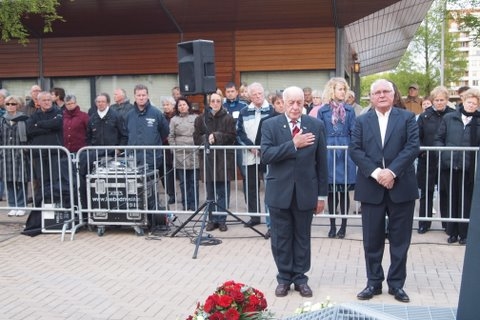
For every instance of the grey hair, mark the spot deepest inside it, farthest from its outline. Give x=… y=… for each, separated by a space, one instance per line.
x=70 y=97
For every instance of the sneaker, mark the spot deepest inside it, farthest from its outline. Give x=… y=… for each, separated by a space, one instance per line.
x=20 y=213
x=12 y=213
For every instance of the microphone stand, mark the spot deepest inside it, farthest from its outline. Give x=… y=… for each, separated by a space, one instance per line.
x=210 y=202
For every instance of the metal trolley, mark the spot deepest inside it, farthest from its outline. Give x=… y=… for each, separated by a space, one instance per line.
x=119 y=194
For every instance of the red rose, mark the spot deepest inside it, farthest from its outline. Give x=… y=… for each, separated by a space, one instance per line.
x=232 y=314
x=209 y=304
x=217 y=316
x=254 y=300
x=237 y=296
x=224 y=301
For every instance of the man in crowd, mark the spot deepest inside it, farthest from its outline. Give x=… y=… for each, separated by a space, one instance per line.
x=295 y=150
x=105 y=128
x=33 y=104
x=413 y=102
x=384 y=145
x=233 y=104
x=176 y=93
x=308 y=104
x=147 y=126
x=122 y=105
x=247 y=127
x=58 y=96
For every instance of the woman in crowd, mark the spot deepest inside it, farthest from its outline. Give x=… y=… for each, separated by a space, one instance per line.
x=168 y=181
x=13 y=162
x=427 y=168
x=185 y=160
x=460 y=129
x=339 y=120
x=217 y=128
x=75 y=123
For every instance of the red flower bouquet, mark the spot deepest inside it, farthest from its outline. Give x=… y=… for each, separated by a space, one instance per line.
x=233 y=301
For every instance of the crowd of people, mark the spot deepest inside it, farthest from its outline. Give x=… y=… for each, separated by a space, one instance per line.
x=285 y=135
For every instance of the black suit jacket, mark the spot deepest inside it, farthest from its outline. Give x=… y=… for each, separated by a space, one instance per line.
x=303 y=171
x=399 y=151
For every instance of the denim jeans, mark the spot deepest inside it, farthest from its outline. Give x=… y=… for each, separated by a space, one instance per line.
x=16 y=193
x=189 y=188
x=218 y=191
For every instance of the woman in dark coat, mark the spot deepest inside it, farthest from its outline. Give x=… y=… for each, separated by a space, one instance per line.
x=459 y=129
x=217 y=128
x=14 y=163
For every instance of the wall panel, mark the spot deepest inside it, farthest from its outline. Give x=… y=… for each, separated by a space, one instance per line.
x=17 y=60
x=235 y=52
x=287 y=49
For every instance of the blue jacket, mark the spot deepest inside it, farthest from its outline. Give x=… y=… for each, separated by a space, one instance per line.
x=148 y=127
x=339 y=135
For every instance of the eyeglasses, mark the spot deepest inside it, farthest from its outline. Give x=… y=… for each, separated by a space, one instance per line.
x=11 y=104
x=381 y=92
x=217 y=101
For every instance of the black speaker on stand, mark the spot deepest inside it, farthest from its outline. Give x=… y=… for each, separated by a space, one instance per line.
x=196 y=67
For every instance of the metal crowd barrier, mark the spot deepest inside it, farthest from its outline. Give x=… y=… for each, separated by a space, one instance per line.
x=140 y=185
x=39 y=180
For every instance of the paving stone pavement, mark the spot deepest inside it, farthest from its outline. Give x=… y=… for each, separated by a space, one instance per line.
x=124 y=276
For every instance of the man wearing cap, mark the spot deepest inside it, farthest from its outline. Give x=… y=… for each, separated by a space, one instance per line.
x=413 y=102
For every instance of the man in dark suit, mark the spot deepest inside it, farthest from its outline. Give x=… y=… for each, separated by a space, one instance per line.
x=294 y=148
x=384 y=146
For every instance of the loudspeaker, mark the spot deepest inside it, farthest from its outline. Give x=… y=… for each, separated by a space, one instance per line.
x=196 y=67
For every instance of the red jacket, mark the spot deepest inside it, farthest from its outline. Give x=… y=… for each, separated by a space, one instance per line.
x=75 y=124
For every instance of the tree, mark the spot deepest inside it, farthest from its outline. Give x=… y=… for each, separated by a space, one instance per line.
x=421 y=63
x=14 y=12
x=467 y=16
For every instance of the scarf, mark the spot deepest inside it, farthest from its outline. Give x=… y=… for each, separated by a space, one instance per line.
x=19 y=118
x=338 y=111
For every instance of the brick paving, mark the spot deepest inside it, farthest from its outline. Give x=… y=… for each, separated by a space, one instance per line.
x=124 y=276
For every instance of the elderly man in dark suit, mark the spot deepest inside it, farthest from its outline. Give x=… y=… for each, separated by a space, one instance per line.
x=294 y=148
x=384 y=146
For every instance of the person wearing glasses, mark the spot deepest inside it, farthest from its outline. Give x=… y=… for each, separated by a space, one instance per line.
x=216 y=127
x=384 y=145
x=294 y=149
x=248 y=124
x=14 y=163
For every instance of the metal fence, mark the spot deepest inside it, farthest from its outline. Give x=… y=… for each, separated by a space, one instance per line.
x=144 y=185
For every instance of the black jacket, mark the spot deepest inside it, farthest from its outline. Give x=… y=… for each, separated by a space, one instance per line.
x=108 y=131
x=45 y=128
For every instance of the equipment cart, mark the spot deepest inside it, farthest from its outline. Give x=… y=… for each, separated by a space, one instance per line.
x=119 y=194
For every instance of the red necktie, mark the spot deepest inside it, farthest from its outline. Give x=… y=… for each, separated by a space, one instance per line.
x=295 y=128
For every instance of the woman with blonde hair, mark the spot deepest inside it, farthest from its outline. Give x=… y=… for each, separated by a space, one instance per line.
x=13 y=162
x=339 y=119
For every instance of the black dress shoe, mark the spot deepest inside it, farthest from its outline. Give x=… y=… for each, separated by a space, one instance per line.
x=369 y=292
x=399 y=294
x=251 y=223
x=452 y=239
x=462 y=241
x=282 y=290
x=341 y=233
x=211 y=226
x=304 y=290
x=422 y=230
x=332 y=233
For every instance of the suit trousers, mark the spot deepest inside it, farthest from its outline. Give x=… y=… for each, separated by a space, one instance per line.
x=290 y=241
x=400 y=223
